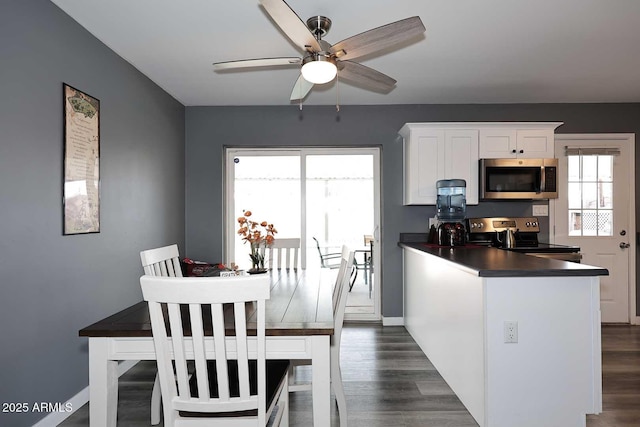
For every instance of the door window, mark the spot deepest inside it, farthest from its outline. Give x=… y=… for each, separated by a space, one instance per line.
x=590 y=194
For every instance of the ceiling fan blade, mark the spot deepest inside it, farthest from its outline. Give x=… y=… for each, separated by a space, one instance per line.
x=378 y=38
x=300 y=89
x=365 y=76
x=262 y=62
x=291 y=24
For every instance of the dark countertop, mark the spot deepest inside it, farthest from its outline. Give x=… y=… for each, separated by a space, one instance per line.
x=493 y=262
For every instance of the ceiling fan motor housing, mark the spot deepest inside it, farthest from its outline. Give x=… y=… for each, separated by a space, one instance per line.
x=319 y=26
x=319 y=56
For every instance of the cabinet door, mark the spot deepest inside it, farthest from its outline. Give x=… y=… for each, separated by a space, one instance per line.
x=461 y=160
x=535 y=144
x=512 y=143
x=497 y=143
x=424 y=165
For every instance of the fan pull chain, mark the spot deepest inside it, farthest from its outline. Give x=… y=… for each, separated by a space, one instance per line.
x=300 y=96
x=337 y=92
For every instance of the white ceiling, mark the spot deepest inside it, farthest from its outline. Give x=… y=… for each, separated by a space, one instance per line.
x=474 y=51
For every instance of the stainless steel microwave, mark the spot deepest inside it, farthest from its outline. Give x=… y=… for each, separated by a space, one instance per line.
x=518 y=179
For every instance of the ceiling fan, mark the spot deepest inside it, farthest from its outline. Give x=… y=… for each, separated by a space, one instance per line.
x=322 y=61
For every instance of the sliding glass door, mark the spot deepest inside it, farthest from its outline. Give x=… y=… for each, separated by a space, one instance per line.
x=330 y=196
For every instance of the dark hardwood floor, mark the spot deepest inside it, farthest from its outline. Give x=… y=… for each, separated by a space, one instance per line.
x=389 y=382
x=620 y=378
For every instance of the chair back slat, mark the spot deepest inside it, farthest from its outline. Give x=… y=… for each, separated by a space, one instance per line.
x=164 y=261
x=242 y=349
x=160 y=339
x=287 y=248
x=199 y=356
x=189 y=342
x=344 y=258
x=177 y=343
x=340 y=290
x=220 y=347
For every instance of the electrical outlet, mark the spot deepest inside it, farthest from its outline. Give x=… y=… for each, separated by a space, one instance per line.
x=540 y=210
x=510 y=331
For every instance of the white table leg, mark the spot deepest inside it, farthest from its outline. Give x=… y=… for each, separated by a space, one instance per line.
x=103 y=385
x=321 y=381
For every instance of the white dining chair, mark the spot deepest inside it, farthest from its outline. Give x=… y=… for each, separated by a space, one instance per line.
x=233 y=383
x=339 y=300
x=163 y=261
x=283 y=253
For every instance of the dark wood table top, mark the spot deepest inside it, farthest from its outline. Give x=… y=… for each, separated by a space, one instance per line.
x=300 y=304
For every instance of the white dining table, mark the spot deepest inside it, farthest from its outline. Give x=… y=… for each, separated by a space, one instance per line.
x=299 y=324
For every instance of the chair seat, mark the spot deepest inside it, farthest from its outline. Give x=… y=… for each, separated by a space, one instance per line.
x=276 y=371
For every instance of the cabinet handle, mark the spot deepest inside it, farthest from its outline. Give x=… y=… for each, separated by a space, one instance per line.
x=521 y=151
x=513 y=151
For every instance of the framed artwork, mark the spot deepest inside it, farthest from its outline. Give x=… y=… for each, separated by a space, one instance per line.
x=81 y=162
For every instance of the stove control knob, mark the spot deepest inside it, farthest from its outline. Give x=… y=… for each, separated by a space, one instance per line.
x=528 y=224
x=535 y=224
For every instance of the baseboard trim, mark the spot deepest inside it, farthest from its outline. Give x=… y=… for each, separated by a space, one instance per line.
x=392 y=321
x=79 y=400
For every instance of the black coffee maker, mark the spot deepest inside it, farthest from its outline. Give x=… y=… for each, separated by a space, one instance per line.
x=451 y=208
x=451 y=234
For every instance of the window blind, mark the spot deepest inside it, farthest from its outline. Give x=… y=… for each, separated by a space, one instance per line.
x=591 y=151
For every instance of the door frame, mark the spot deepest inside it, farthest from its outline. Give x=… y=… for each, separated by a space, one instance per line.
x=376 y=151
x=628 y=138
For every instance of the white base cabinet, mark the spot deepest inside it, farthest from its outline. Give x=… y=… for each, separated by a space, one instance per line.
x=552 y=376
x=435 y=151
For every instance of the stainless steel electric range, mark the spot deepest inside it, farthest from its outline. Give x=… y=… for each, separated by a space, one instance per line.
x=493 y=231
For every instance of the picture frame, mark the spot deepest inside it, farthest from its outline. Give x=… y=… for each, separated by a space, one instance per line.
x=81 y=186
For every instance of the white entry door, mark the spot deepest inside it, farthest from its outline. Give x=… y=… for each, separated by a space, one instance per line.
x=595 y=211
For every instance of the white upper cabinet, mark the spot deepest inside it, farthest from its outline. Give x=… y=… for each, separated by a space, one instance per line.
x=517 y=140
x=434 y=151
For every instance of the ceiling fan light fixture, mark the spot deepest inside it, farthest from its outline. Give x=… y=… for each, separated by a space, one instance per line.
x=319 y=69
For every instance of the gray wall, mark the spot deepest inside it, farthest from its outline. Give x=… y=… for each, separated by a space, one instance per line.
x=209 y=129
x=53 y=285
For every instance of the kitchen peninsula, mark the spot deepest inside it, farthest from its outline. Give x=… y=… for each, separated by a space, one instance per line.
x=516 y=337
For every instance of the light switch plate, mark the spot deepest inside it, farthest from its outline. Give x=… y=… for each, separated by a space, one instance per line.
x=540 y=210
